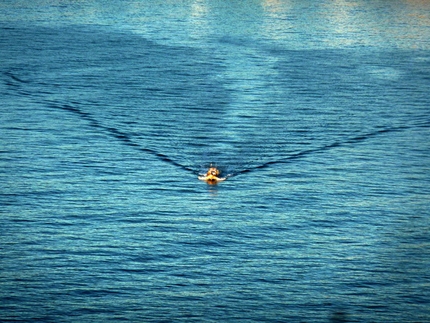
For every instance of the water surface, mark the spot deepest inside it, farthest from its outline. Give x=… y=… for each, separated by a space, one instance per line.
x=319 y=113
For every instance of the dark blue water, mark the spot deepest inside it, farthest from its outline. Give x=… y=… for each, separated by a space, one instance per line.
x=318 y=113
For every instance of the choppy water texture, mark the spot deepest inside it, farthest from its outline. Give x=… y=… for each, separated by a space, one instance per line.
x=318 y=112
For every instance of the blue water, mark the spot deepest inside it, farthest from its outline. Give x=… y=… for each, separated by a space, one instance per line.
x=319 y=113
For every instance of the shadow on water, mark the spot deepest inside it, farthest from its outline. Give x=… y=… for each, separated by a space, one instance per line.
x=226 y=170
x=339 y=317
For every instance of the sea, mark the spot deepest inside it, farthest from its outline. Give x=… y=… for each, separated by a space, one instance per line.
x=316 y=112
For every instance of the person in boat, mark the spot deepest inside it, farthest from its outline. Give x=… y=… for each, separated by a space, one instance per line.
x=211 y=176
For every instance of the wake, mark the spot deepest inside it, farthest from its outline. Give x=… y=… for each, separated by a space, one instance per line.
x=228 y=171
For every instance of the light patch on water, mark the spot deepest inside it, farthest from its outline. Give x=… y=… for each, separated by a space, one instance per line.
x=384 y=73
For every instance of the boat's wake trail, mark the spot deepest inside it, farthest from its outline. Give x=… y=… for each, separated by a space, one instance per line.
x=228 y=169
x=125 y=138
x=336 y=144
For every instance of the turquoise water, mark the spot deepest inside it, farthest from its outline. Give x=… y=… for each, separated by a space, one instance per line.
x=319 y=114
